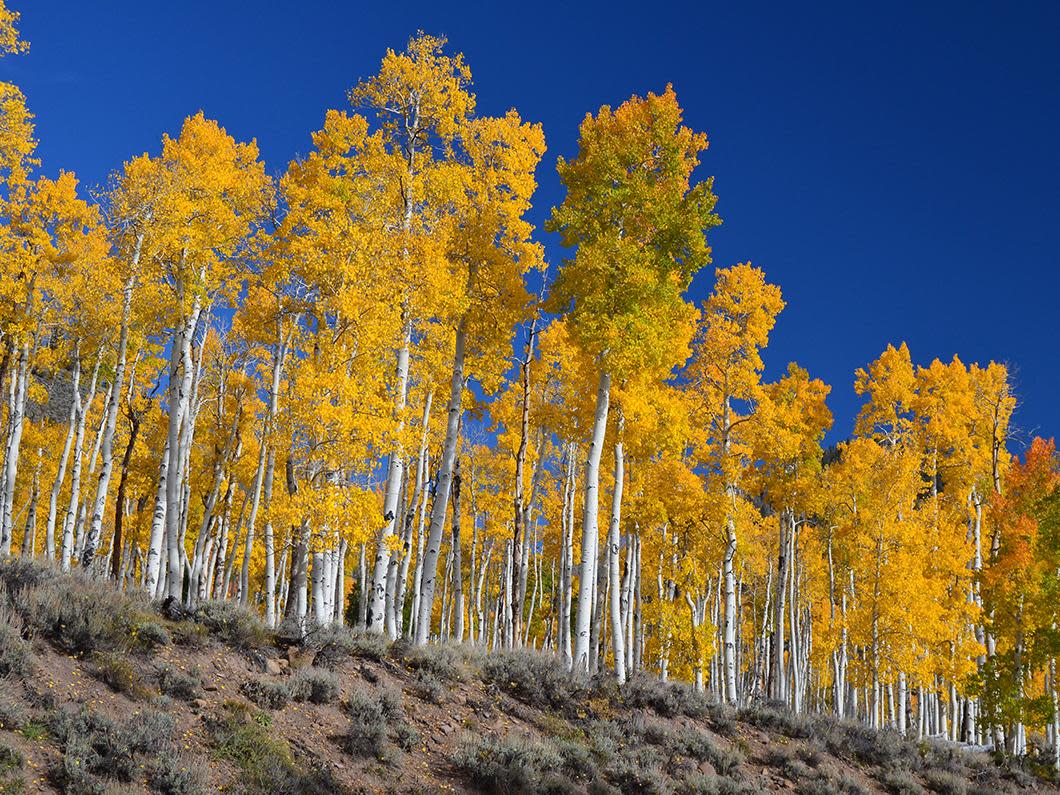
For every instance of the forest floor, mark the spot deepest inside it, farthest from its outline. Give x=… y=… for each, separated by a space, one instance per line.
x=100 y=693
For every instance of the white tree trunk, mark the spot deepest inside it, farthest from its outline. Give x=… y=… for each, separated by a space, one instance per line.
x=179 y=397
x=153 y=580
x=60 y=475
x=17 y=415
x=441 y=493
x=614 y=540
x=75 y=475
x=376 y=617
x=590 y=536
x=95 y=529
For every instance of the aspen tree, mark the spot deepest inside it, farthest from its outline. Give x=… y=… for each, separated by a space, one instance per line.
x=725 y=375
x=639 y=229
x=421 y=98
x=491 y=249
x=208 y=190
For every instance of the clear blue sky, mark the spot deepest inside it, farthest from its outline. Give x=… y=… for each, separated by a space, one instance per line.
x=895 y=170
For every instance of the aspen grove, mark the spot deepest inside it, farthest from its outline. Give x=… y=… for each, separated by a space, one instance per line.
x=334 y=397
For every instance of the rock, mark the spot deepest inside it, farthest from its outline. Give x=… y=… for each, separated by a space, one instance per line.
x=199 y=704
x=272 y=666
x=209 y=687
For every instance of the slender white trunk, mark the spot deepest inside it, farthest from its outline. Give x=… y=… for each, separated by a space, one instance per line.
x=153 y=579
x=376 y=617
x=590 y=535
x=107 y=468
x=441 y=493
x=180 y=382
x=60 y=475
x=780 y=689
x=614 y=538
x=75 y=475
x=458 y=578
x=17 y=414
x=263 y=480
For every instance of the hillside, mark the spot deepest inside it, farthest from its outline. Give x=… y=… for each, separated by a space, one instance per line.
x=101 y=693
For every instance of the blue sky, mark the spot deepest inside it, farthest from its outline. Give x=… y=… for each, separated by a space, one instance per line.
x=893 y=168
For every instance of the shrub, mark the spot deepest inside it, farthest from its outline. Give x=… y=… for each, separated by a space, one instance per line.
x=265 y=762
x=945 y=783
x=406 y=736
x=149 y=732
x=335 y=644
x=19 y=574
x=16 y=656
x=578 y=762
x=266 y=693
x=179 y=684
x=820 y=783
x=12 y=713
x=722 y=718
x=11 y=762
x=371 y=715
x=368 y=645
x=707 y=784
x=725 y=760
x=429 y=688
x=119 y=674
x=150 y=635
x=536 y=679
x=900 y=782
x=860 y=743
x=189 y=634
x=439 y=661
x=778 y=719
x=681 y=741
x=235 y=624
x=510 y=765
x=315 y=685
x=668 y=699
x=943 y=756
x=94 y=748
x=173 y=775
x=79 y=614
x=636 y=770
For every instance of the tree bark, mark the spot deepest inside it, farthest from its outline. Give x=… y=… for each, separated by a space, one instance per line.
x=590 y=536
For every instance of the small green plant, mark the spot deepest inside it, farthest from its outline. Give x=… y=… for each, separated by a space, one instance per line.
x=33 y=730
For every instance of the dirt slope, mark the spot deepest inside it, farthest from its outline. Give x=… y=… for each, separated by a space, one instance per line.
x=100 y=693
